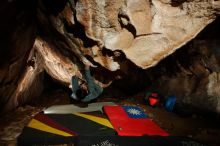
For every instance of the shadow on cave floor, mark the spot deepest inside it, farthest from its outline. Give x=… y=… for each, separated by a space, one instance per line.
x=200 y=128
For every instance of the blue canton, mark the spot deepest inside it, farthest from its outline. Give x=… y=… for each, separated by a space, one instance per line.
x=134 y=112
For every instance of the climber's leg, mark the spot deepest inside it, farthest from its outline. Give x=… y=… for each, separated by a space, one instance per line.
x=93 y=94
x=94 y=89
x=75 y=87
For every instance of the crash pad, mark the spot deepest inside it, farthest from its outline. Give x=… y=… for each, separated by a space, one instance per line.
x=94 y=128
x=58 y=128
x=132 y=121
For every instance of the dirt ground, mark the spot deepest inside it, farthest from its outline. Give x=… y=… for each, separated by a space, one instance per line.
x=205 y=129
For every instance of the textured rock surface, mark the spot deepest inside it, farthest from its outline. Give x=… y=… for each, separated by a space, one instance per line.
x=17 y=33
x=146 y=32
x=115 y=37
x=192 y=74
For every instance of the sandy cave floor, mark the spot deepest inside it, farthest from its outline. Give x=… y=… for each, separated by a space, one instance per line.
x=206 y=130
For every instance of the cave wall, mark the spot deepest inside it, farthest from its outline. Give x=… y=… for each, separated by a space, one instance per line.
x=17 y=35
x=117 y=39
x=192 y=73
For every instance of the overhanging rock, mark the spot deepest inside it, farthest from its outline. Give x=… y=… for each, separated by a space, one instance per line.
x=146 y=32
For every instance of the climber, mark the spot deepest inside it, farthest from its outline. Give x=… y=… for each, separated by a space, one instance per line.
x=93 y=89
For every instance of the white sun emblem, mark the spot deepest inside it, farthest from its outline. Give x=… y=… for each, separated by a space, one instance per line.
x=134 y=111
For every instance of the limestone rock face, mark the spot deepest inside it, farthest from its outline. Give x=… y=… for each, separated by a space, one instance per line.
x=111 y=36
x=17 y=34
x=146 y=32
x=192 y=75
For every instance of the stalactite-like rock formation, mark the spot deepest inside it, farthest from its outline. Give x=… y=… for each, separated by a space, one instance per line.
x=60 y=37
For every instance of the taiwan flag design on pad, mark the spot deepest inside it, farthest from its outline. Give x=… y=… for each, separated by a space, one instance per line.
x=132 y=121
x=134 y=112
